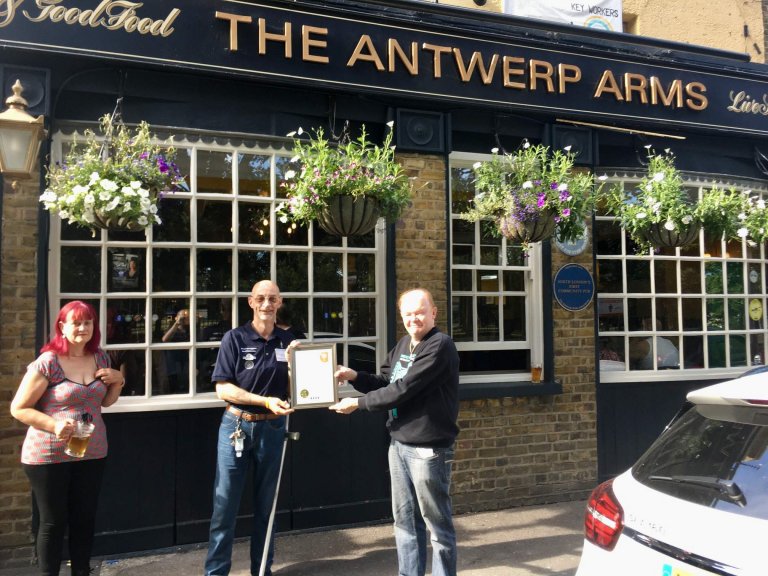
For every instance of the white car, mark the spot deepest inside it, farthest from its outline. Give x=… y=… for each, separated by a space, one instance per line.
x=696 y=503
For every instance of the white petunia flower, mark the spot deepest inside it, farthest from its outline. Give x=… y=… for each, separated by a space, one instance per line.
x=527 y=184
x=658 y=177
x=143 y=220
x=669 y=225
x=742 y=232
x=641 y=215
x=290 y=174
x=108 y=185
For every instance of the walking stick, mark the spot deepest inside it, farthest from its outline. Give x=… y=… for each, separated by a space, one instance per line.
x=288 y=436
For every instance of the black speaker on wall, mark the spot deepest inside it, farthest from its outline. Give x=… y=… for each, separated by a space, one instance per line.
x=420 y=131
x=36 y=85
x=581 y=140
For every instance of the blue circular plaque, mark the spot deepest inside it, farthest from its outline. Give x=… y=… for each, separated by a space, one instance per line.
x=573 y=287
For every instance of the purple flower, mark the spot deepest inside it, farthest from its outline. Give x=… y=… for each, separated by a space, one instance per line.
x=542 y=200
x=566 y=212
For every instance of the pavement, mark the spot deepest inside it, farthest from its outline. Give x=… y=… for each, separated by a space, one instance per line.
x=526 y=541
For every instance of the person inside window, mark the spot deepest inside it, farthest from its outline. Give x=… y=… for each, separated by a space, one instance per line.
x=642 y=350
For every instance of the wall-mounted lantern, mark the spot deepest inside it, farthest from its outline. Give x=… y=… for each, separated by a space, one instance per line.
x=20 y=137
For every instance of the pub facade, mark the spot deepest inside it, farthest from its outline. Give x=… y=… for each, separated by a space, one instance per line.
x=228 y=82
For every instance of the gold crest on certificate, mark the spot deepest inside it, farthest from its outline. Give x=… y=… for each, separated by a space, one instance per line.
x=312 y=381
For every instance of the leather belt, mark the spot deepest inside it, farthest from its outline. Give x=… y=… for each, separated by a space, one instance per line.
x=249 y=417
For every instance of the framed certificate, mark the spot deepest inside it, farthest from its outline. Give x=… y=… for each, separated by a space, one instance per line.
x=312 y=381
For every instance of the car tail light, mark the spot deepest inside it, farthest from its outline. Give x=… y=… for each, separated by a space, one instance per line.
x=604 y=518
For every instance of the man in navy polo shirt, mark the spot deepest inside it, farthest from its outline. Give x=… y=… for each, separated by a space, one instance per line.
x=251 y=375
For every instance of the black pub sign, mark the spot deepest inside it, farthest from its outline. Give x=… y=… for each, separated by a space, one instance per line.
x=288 y=43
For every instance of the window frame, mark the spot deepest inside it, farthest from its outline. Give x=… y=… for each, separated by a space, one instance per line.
x=252 y=145
x=746 y=259
x=534 y=299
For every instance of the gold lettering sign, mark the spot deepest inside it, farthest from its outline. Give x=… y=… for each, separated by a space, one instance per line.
x=389 y=56
x=109 y=14
x=743 y=103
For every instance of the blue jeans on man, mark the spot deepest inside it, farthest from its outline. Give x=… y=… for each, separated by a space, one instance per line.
x=421 y=483
x=263 y=444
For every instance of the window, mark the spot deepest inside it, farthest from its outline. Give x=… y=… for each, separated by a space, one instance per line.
x=688 y=309
x=199 y=266
x=495 y=292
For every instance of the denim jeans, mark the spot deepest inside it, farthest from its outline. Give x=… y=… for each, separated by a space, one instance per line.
x=421 y=484
x=263 y=444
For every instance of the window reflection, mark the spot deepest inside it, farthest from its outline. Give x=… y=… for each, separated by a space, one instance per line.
x=292 y=271
x=209 y=211
x=328 y=317
x=361 y=273
x=81 y=269
x=254 y=224
x=327 y=272
x=214 y=270
x=170 y=270
x=132 y=365
x=125 y=321
x=175 y=215
x=254 y=175
x=214 y=170
x=362 y=317
x=253 y=266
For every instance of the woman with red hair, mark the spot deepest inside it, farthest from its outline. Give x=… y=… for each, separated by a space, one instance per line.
x=69 y=382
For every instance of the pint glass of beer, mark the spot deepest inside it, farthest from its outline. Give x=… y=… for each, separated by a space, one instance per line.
x=535 y=373
x=78 y=442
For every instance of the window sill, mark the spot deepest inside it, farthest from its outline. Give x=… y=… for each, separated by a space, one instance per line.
x=476 y=390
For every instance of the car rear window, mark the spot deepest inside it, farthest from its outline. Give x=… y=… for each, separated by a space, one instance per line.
x=716 y=456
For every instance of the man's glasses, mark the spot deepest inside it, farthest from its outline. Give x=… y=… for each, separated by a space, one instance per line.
x=262 y=299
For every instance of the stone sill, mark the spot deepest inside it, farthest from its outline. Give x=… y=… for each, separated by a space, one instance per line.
x=479 y=390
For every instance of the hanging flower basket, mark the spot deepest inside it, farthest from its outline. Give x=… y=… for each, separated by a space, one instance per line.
x=661 y=213
x=349 y=215
x=344 y=186
x=661 y=237
x=112 y=183
x=532 y=194
x=530 y=231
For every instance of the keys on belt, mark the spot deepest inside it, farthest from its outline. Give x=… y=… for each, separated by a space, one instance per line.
x=238 y=439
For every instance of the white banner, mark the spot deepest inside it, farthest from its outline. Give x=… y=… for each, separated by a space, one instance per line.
x=600 y=14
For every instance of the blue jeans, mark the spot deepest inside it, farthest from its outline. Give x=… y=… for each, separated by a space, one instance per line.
x=263 y=445
x=421 y=485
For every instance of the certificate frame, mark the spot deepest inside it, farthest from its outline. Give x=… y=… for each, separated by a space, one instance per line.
x=313 y=384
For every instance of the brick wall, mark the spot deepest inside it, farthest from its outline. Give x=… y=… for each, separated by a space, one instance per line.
x=18 y=276
x=518 y=450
